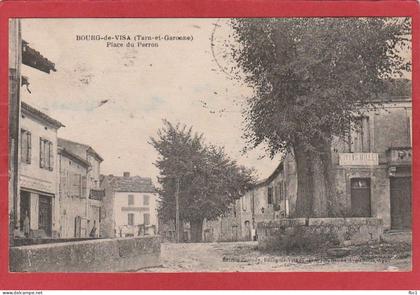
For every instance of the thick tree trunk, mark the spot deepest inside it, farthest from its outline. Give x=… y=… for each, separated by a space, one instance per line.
x=333 y=205
x=315 y=181
x=319 y=203
x=304 y=182
x=196 y=231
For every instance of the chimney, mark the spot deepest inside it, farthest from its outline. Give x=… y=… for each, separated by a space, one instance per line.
x=126 y=174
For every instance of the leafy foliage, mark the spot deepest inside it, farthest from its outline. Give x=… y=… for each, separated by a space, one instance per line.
x=311 y=74
x=209 y=179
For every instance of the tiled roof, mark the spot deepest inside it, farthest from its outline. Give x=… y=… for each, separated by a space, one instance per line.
x=33 y=58
x=78 y=148
x=131 y=184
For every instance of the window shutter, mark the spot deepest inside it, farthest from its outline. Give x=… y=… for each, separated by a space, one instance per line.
x=77 y=185
x=84 y=180
x=63 y=183
x=29 y=151
x=79 y=191
x=51 y=156
x=23 y=145
x=41 y=153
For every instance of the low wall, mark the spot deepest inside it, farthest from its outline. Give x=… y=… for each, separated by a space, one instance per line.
x=344 y=231
x=37 y=241
x=105 y=255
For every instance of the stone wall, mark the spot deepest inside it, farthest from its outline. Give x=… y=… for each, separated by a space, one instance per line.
x=107 y=255
x=345 y=231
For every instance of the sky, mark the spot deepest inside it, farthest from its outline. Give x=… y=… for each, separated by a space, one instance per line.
x=115 y=98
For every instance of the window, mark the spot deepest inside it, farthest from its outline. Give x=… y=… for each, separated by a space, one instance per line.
x=76 y=185
x=146 y=200
x=270 y=196
x=26 y=145
x=46 y=154
x=130 y=219
x=130 y=199
x=146 y=218
x=360 y=136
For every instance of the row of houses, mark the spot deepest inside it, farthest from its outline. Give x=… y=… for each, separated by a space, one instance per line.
x=372 y=174
x=58 y=181
x=56 y=189
x=64 y=195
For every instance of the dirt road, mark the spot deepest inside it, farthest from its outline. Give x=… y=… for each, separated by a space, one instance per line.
x=245 y=257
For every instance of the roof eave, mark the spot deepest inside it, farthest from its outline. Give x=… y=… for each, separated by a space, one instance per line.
x=28 y=109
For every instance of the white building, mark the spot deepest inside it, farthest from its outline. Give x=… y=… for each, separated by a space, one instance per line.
x=38 y=181
x=130 y=206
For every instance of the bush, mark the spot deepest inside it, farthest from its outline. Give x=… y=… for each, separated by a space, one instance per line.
x=302 y=239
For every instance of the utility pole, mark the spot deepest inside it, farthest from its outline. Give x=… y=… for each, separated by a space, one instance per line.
x=177 y=227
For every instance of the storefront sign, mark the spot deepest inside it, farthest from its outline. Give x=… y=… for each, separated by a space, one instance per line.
x=358 y=159
x=37 y=184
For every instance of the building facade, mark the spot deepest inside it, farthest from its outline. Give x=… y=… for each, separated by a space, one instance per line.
x=73 y=193
x=130 y=206
x=86 y=184
x=38 y=199
x=373 y=168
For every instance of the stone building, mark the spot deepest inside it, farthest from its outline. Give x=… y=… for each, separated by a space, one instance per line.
x=130 y=206
x=73 y=194
x=372 y=168
x=38 y=199
x=372 y=176
x=90 y=190
x=373 y=171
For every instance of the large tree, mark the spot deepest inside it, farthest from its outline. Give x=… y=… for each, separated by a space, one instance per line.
x=209 y=181
x=312 y=78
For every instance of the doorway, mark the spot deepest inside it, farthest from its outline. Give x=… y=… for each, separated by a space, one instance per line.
x=400 y=188
x=25 y=207
x=360 y=197
x=45 y=214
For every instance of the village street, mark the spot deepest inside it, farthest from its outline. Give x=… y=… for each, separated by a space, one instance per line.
x=391 y=255
x=283 y=145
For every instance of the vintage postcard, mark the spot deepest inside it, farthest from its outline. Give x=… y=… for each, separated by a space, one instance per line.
x=210 y=144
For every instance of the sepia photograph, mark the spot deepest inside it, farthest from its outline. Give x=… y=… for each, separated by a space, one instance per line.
x=210 y=144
